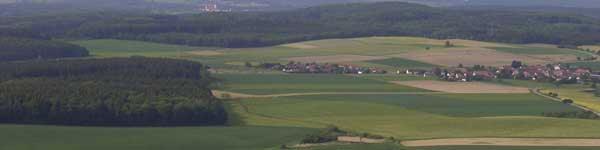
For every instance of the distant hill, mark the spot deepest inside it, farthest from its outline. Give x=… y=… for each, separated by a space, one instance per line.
x=255 y=29
x=290 y=4
x=591 y=12
x=269 y=5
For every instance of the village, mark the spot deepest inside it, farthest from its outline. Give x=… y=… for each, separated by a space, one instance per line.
x=299 y=67
x=517 y=70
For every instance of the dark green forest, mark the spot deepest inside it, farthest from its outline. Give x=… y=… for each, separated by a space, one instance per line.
x=254 y=29
x=12 y=49
x=116 y=91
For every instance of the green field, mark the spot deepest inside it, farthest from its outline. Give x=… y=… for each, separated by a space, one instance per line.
x=463 y=105
x=380 y=114
x=124 y=48
x=267 y=123
x=303 y=83
x=29 y=137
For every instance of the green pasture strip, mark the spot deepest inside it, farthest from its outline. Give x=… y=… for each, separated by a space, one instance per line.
x=378 y=114
x=303 y=83
x=27 y=137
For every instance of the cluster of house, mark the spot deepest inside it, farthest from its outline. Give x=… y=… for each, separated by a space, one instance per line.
x=556 y=72
x=458 y=74
x=298 y=67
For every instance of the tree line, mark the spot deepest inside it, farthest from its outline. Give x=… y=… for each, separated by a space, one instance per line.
x=115 y=91
x=254 y=29
x=12 y=49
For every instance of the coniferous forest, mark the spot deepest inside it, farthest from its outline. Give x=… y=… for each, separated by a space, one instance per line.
x=116 y=91
x=12 y=49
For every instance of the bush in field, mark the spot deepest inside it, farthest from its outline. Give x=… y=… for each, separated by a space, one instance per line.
x=567 y=101
x=328 y=134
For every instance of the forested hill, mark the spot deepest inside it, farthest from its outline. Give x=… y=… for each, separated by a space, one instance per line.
x=12 y=49
x=253 y=29
x=116 y=91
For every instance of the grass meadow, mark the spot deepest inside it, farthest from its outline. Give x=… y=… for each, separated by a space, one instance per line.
x=124 y=48
x=263 y=84
x=31 y=137
x=478 y=116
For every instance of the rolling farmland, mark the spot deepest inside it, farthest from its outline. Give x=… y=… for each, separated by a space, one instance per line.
x=410 y=114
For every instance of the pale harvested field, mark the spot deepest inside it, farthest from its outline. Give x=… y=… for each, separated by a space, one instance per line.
x=302 y=46
x=335 y=58
x=591 y=47
x=504 y=142
x=555 y=58
x=462 y=87
x=470 y=43
x=468 y=57
x=354 y=139
x=205 y=53
x=426 y=41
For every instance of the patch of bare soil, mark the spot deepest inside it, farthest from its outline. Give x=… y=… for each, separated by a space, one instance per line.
x=503 y=142
x=301 y=46
x=335 y=58
x=468 y=57
x=462 y=87
x=353 y=139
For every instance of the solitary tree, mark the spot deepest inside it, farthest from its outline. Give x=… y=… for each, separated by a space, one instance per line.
x=448 y=44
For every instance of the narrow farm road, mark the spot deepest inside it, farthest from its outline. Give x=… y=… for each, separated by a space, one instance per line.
x=503 y=142
x=234 y=95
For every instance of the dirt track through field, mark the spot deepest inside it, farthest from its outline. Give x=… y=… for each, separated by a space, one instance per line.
x=503 y=142
x=234 y=95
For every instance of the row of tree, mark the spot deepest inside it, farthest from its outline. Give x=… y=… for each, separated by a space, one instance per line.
x=116 y=91
x=12 y=49
x=252 y=29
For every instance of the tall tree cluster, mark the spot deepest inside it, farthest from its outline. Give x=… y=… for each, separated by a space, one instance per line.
x=12 y=49
x=115 y=91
